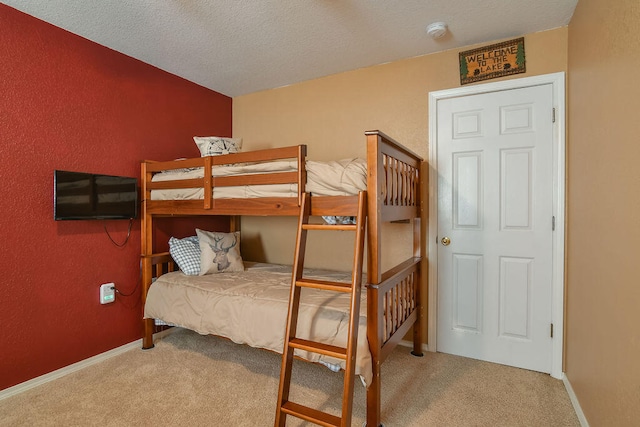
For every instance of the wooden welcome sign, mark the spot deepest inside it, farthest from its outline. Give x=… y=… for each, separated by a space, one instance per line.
x=489 y=62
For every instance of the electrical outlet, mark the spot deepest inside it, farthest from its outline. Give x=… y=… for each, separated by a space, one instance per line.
x=107 y=293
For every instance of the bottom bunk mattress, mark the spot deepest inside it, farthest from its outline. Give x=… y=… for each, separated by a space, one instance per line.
x=250 y=307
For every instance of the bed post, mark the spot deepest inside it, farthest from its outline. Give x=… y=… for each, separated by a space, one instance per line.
x=374 y=320
x=374 y=206
x=145 y=259
x=417 y=326
x=302 y=172
x=147 y=338
x=234 y=223
x=373 y=398
x=374 y=275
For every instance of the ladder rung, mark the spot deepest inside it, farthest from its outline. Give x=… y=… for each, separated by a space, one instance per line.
x=341 y=227
x=318 y=347
x=310 y=414
x=324 y=285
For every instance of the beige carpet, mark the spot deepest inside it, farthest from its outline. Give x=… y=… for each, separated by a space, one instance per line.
x=193 y=380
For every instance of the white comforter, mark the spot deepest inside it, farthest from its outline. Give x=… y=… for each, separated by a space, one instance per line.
x=251 y=307
x=335 y=178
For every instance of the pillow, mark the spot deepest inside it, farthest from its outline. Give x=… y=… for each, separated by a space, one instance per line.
x=186 y=253
x=219 y=252
x=215 y=145
x=333 y=220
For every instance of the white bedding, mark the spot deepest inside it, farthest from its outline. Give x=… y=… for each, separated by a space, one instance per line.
x=251 y=307
x=335 y=178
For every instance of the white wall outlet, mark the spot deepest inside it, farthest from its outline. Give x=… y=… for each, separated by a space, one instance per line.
x=107 y=293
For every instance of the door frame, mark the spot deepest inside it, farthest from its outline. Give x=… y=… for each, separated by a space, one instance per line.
x=557 y=81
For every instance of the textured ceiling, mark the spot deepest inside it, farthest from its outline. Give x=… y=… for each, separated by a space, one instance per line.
x=237 y=47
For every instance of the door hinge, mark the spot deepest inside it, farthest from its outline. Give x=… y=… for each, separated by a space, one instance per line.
x=553 y=115
x=552 y=330
x=553 y=223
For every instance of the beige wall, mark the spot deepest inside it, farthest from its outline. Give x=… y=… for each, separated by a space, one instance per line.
x=603 y=326
x=331 y=114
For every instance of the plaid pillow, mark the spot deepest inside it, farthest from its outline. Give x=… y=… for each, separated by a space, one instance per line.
x=186 y=253
x=215 y=145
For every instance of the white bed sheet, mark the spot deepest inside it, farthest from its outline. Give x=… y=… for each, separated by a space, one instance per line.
x=334 y=178
x=251 y=307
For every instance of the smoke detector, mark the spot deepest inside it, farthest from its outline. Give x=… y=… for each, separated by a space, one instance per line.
x=437 y=30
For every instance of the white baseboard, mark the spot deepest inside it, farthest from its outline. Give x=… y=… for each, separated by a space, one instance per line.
x=574 y=402
x=35 y=382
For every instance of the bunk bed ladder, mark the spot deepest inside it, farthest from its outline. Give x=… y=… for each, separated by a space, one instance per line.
x=348 y=354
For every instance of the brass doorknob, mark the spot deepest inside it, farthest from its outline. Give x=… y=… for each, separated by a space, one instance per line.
x=446 y=241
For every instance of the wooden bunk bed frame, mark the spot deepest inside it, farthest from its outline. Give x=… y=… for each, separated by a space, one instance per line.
x=394 y=195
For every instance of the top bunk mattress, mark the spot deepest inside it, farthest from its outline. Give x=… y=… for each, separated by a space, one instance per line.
x=250 y=307
x=334 y=178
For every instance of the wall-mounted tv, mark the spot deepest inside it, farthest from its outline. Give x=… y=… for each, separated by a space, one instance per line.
x=79 y=195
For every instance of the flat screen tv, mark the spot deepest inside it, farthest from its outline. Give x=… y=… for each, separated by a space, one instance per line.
x=79 y=195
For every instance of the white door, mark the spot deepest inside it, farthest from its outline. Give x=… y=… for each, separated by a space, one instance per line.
x=495 y=218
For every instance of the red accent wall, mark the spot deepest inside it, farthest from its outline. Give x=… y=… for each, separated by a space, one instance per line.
x=68 y=103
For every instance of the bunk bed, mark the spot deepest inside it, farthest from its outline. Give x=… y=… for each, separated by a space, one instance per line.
x=394 y=195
